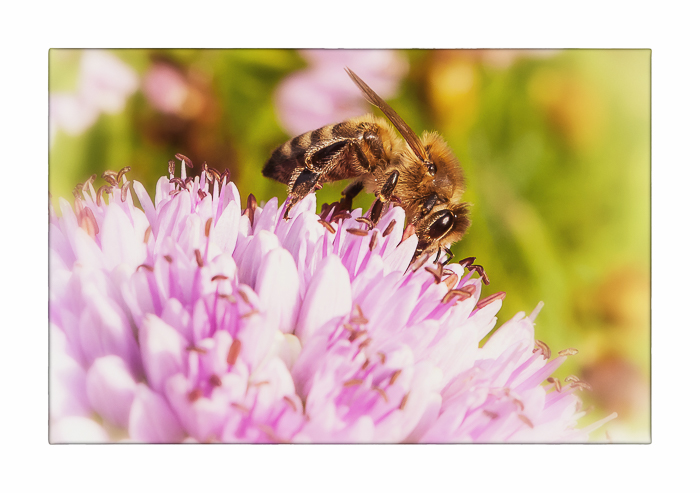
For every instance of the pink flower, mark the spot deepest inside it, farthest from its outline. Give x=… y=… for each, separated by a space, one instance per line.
x=165 y=88
x=189 y=320
x=322 y=93
x=104 y=84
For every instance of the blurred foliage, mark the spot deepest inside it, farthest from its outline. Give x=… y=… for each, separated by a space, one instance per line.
x=555 y=147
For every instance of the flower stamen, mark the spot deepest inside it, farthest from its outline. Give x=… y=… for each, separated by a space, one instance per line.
x=463 y=293
x=568 y=352
x=327 y=225
x=182 y=157
x=541 y=346
x=526 y=420
x=404 y=401
x=233 y=352
x=490 y=299
x=198 y=257
x=389 y=228
x=556 y=382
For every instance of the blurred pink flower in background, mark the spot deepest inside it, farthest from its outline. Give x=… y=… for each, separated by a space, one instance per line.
x=323 y=93
x=104 y=84
x=191 y=320
x=165 y=88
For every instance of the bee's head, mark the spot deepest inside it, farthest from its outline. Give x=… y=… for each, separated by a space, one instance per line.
x=442 y=167
x=445 y=225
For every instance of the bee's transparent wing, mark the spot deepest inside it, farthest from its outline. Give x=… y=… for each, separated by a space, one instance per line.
x=406 y=132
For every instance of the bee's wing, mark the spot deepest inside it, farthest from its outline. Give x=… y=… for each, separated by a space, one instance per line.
x=406 y=132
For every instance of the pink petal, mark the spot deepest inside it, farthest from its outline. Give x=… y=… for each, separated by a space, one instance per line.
x=329 y=296
x=277 y=285
x=152 y=420
x=162 y=351
x=111 y=389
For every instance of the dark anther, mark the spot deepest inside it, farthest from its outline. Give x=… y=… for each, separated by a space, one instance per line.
x=147 y=234
x=171 y=167
x=490 y=299
x=404 y=401
x=198 y=256
x=373 y=240
x=462 y=293
x=219 y=277
x=122 y=171
x=389 y=228
x=215 y=381
x=436 y=272
x=89 y=182
x=541 y=346
x=196 y=349
x=103 y=188
x=366 y=221
x=207 y=227
x=466 y=262
x=556 y=382
x=110 y=177
x=357 y=232
x=194 y=395
x=125 y=190
x=568 y=352
x=178 y=182
x=187 y=160
x=328 y=226
x=233 y=352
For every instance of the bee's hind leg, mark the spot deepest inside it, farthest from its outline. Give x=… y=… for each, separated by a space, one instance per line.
x=305 y=183
x=350 y=192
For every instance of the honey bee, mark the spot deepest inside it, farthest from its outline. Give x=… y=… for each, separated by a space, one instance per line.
x=421 y=174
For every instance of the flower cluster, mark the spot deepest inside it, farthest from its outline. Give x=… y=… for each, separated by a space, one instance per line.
x=188 y=319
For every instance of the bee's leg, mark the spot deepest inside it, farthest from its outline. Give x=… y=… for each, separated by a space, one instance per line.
x=383 y=196
x=429 y=204
x=325 y=164
x=305 y=182
x=350 y=192
x=449 y=253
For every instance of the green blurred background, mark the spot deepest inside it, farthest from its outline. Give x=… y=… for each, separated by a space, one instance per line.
x=555 y=146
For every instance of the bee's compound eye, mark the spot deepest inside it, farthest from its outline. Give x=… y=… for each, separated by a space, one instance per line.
x=432 y=169
x=442 y=224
